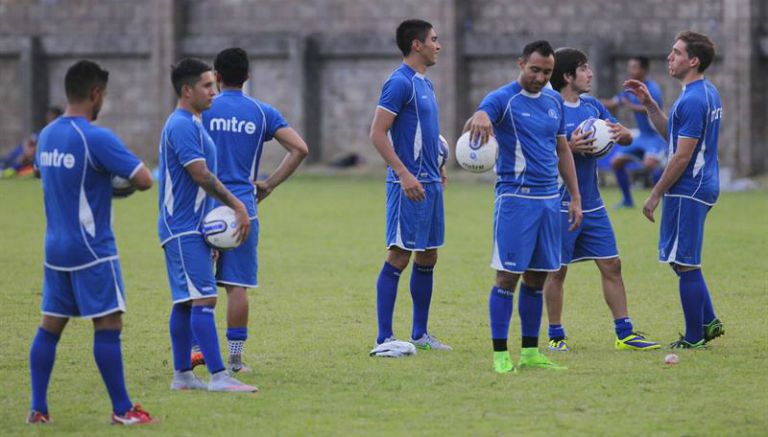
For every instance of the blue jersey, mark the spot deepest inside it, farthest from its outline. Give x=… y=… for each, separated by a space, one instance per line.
x=586 y=165
x=183 y=203
x=644 y=124
x=415 y=133
x=526 y=127
x=77 y=161
x=696 y=114
x=239 y=126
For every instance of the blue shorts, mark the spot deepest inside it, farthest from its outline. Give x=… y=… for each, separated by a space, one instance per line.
x=652 y=146
x=239 y=266
x=682 y=230
x=415 y=226
x=190 y=268
x=593 y=239
x=94 y=291
x=526 y=234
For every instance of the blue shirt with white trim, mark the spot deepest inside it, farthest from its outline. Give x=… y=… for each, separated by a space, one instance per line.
x=239 y=126
x=77 y=161
x=696 y=114
x=526 y=126
x=183 y=204
x=586 y=165
x=415 y=133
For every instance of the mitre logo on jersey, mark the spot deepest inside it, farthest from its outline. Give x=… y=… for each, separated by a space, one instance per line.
x=232 y=125
x=56 y=159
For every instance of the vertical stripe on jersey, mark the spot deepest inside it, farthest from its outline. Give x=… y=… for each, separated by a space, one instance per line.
x=168 y=195
x=85 y=214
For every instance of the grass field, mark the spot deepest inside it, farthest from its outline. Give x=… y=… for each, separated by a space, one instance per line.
x=313 y=321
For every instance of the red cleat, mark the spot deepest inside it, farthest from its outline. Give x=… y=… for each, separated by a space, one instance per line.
x=134 y=416
x=197 y=359
x=36 y=417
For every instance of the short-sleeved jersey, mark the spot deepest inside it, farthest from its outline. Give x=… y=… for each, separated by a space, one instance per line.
x=239 y=126
x=77 y=161
x=586 y=165
x=644 y=124
x=415 y=133
x=183 y=203
x=526 y=127
x=696 y=114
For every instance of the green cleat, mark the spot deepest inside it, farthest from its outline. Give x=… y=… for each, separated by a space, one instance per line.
x=502 y=363
x=682 y=344
x=713 y=329
x=635 y=342
x=531 y=358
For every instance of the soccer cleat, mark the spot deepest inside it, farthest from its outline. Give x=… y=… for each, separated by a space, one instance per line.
x=427 y=342
x=36 y=417
x=393 y=348
x=187 y=381
x=134 y=416
x=197 y=359
x=221 y=381
x=558 y=345
x=713 y=329
x=502 y=363
x=235 y=365
x=635 y=342
x=682 y=344
x=531 y=358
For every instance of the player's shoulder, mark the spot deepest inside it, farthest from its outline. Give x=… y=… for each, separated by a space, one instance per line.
x=553 y=95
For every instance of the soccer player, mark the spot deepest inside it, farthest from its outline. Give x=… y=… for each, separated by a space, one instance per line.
x=76 y=161
x=649 y=147
x=239 y=126
x=406 y=133
x=594 y=239
x=527 y=120
x=187 y=173
x=690 y=183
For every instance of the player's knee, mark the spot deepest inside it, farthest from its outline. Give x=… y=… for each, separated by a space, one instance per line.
x=506 y=280
x=535 y=279
x=558 y=276
x=426 y=258
x=610 y=268
x=110 y=322
x=206 y=302
x=617 y=163
x=398 y=258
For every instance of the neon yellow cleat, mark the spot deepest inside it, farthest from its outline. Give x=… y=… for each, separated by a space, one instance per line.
x=635 y=342
x=531 y=358
x=502 y=363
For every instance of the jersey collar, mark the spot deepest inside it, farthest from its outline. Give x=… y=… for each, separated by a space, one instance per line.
x=575 y=104
x=529 y=94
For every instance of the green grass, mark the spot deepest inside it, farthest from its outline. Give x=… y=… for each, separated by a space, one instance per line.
x=313 y=321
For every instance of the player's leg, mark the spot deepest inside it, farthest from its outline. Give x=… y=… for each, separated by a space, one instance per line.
x=500 y=304
x=386 y=291
x=237 y=327
x=554 y=296
x=42 y=355
x=632 y=153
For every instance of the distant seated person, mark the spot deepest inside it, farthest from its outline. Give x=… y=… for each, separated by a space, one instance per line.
x=649 y=148
x=20 y=160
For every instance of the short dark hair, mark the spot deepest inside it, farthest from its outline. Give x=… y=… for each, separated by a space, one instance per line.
x=410 y=30
x=644 y=62
x=541 y=47
x=699 y=46
x=82 y=77
x=232 y=64
x=567 y=60
x=187 y=72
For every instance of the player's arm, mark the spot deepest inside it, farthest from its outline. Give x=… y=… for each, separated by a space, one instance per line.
x=141 y=178
x=676 y=166
x=208 y=181
x=480 y=126
x=657 y=116
x=297 y=150
x=567 y=170
x=382 y=122
x=620 y=133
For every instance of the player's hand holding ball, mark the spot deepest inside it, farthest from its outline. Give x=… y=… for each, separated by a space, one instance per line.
x=480 y=127
x=619 y=132
x=581 y=142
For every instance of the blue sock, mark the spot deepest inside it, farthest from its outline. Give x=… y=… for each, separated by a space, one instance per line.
x=42 y=354
x=556 y=331
x=204 y=327
x=530 y=306
x=109 y=360
x=500 y=305
x=181 y=336
x=692 y=296
x=709 y=311
x=622 y=178
x=421 y=293
x=386 y=293
x=623 y=327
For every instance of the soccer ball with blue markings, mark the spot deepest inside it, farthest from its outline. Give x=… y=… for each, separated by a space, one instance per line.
x=601 y=132
x=442 y=153
x=219 y=227
x=476 y=157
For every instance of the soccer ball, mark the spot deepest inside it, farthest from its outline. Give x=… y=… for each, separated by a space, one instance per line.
x=475 y=157
x=599 y=130
x=121 y=187
x=442 y=154
x=219 y=227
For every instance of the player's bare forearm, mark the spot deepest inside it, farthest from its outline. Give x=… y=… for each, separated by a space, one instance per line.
x=382 y=121
x=676 y=166
x=297 y=151
x=658 y=118
x=208 y=181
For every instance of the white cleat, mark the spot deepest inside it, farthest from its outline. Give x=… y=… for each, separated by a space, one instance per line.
x=427 y=342
x=393 y=348
x=187 y=381
x=223 y=382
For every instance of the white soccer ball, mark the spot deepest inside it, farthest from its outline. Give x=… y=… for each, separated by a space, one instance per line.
x=442 y=154
x=476 y=157
x=599 y=130
x=219 y=227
